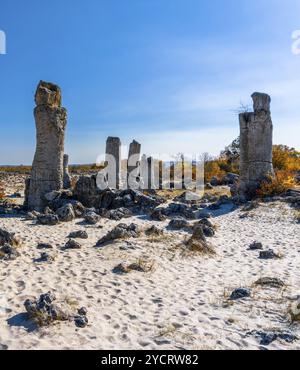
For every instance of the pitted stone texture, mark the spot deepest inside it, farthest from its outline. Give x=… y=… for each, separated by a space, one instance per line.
x=48 y=94
x=133 y=166
x=47 y=167
x=113 y=149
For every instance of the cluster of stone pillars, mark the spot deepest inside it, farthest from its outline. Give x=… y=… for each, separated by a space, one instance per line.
x=50 y=164
x=139 y=172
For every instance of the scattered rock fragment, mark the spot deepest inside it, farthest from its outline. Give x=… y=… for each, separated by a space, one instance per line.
x=9 y=238
x=240 y=293
x=154 y=231
x=48 y=211
x=50 y=219
x=81 y=320
x=92 y=218
x=139 y=266
x=72 y=244
x=179 y=209
x=44 y=246
x=207 y=227
x=31 y=216
x=255 y=246
x=121 y=231
x=198 y=242
x=121 y=268
x=82 y=311
x=117 y=214
x=268 y=254
x=179 y=223
x=66 y=213
x=43 y=311
x=80 y=234
x=158 y=214
x=45 y=257
x=8 y=253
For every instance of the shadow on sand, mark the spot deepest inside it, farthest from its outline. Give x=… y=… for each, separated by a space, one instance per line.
x=21 y=320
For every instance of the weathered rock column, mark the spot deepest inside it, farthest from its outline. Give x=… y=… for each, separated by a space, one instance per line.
x=113 y=154
x=47 y=167
x=67 y=177
x=133 y=165
x=256 y=141
x=144 y=172
x=151 y=177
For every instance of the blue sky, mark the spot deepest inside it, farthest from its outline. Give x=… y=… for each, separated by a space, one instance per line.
x=169 y=73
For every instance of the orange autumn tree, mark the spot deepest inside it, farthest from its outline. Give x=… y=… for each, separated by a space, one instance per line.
x=286 y=159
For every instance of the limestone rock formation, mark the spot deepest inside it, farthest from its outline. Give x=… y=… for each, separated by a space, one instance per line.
x=133 y=165
x=113 y=159
x=47 y=167
x=144 y=172
x=67 y=177
x=151 y=177
x=256 y=138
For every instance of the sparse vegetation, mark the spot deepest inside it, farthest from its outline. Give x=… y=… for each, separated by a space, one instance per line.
x=16 y=169
x=141 y=265
x=286 y=159
x=195 y=245
x=286 y=162
x=279 y=184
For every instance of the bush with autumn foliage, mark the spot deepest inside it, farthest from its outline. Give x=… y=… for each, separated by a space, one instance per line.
x=228 y=161
x=286 y=162
x=279 y=184
x=286 y=159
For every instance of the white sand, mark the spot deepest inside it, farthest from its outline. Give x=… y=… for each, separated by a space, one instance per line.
x=181 y=304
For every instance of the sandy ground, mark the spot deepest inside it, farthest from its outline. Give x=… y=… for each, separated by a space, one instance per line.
x=182 y=303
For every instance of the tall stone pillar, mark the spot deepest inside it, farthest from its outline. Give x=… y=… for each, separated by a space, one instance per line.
x=67 y=177
x=133 y=165
x=256 y=142
x=160 y=175
x=144 y=172
x=113 y=159
x=151 y=176
x=47 y=167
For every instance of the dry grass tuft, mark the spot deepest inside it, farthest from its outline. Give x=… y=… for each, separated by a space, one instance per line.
x=297 y=215
x=141 y=265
